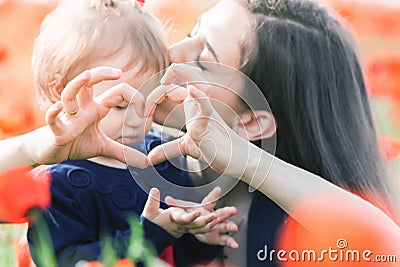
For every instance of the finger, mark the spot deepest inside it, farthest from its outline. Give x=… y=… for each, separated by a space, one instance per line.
x=173 y=92
x=203 y=224
x=85 y=96
x=51 y=118
x=181 y=217
x=203 y=230
x=122 y=93
x=71 y=90
x=172 y=202
x=103 y=73
x=210 y=200
x=124 y=154
x=152 y=205
x=198 y=127
x=86 y=79
x=205 y=105
x=227 y=240
x=165 y=151
x=186 y=74
x=226 y=227
x=225 y=213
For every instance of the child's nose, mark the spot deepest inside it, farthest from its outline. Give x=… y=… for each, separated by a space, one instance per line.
x=132 y=120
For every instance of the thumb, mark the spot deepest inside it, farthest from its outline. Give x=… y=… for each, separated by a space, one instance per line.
x=123 y=153
x=151 y=209
x=211 y=199
x=203 y=100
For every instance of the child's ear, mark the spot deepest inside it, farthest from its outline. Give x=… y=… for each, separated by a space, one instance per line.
x=255 y=125
x=55 y=89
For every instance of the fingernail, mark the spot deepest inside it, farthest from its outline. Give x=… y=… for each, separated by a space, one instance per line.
x=116 y=72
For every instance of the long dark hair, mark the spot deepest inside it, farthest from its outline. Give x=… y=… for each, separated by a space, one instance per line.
x=306 y=64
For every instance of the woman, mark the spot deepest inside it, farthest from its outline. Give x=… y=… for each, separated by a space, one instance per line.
x=305 y=64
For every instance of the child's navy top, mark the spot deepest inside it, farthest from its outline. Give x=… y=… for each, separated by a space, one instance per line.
x=91 y=201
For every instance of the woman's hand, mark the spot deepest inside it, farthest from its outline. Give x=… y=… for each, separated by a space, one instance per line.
x=73 y=130
x=208 y=137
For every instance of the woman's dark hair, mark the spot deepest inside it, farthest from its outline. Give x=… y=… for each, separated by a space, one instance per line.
x=306 y=65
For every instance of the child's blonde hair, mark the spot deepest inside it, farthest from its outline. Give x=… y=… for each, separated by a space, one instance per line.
x=74 y=34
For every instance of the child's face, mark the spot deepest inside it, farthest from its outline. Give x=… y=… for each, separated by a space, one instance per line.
x=130 y=129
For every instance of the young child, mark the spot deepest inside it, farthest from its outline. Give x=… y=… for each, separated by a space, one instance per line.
x=95 y=197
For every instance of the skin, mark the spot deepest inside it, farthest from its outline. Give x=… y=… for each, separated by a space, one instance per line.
x=132 y=129
x=124 y=123
x=211 y=42
x=64 y=134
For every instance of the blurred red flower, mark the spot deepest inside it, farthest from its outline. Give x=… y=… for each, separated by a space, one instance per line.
x=383 y=77
x=390 y=147
x=22 y=254
x=20 y=191
x=93 y=264
x=124 y=263
x=330 y=240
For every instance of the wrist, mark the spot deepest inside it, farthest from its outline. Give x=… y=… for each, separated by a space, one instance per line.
x=257 y=166
x=32 y=146
x=26 y=149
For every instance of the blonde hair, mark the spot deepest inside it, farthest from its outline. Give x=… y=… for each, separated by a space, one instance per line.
x=76 y=32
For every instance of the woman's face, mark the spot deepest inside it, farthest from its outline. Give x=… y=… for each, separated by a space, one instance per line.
x=217 y=37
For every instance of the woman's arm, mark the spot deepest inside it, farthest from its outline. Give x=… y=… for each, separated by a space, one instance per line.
x=208 y=138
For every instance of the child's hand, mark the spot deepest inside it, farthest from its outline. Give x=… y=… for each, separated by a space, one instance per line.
x=219 y=234
x=178 y=221
x=73 y=130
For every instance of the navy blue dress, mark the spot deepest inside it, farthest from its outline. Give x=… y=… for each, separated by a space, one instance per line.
x=91 y=201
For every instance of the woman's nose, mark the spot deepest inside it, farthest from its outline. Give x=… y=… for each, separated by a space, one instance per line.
x=184 y=51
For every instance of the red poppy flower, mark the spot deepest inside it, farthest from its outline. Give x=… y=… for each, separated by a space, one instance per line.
x=390 y=147
x=340 y=232
x=383 y=76
x=22 y=254
x=20 y=191
x=124 y=263
x=93 y=264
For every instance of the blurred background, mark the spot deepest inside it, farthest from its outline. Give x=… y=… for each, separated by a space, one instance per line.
x=375 y=25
